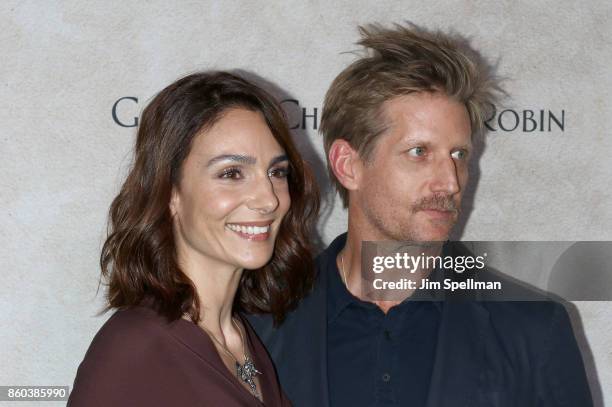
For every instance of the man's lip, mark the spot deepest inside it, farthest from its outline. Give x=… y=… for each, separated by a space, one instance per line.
x=259 y=223
x=440 y=213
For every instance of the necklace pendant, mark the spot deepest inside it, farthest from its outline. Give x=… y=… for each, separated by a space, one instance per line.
x=247 y=372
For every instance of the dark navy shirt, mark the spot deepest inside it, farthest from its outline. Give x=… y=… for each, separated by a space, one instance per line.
x=376 y=359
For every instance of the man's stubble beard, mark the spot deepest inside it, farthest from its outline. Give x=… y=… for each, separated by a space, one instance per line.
x=395 y=226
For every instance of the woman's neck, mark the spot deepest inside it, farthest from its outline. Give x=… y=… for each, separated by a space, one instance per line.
x=216 y=284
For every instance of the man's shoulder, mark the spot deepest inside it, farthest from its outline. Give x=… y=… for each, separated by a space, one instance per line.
x=308 y=313
x=531 y=324
x=526 y=314
x=518 y=303
x=515 y=305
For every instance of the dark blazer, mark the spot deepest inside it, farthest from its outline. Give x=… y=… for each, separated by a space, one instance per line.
x=489 y=353
x=139 y=359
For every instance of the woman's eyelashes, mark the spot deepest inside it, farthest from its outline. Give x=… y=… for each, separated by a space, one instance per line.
x=279 y=172
x=237 y=173
x=234 y=173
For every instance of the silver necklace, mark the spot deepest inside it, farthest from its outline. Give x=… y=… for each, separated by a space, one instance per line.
x=343 y=272
x=246 y=371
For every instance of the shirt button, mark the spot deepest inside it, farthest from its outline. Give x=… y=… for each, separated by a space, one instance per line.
x=386 y=377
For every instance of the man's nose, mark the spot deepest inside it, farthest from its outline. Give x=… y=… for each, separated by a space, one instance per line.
x=445 y=177
x=263 y=198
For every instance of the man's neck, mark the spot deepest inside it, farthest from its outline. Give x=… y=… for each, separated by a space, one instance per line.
x=349 y=264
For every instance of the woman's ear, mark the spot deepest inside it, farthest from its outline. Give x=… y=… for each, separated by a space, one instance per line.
x=174 y=201
x=345 y=163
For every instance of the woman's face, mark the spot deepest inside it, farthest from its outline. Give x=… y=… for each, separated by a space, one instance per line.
x=232 y=195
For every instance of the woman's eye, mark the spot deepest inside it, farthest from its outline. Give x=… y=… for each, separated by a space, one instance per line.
x=231 y=173
x=279 y=172
x=459 y=154
x=416 y=152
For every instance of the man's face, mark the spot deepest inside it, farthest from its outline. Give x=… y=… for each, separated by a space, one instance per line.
x=410 y=187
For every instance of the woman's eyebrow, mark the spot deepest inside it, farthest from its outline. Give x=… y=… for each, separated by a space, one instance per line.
x=239 y=158
x=278 y=159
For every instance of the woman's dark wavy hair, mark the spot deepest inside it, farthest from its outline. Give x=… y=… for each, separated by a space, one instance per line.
x=138 y=259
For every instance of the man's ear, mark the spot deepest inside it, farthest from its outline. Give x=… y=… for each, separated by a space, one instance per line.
x=345 y=163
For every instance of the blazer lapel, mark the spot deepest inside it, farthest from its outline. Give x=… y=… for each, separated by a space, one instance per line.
x=315 y=339
x=459 y=356
x=299 y=348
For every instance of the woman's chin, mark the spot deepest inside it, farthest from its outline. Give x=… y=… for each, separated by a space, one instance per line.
x=255 y=263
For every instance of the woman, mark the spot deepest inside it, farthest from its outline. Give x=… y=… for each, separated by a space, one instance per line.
x=213 y=220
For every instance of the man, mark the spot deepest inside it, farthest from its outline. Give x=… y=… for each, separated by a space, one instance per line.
x=398 y=127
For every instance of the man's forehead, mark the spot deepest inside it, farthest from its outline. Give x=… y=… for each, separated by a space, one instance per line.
x=426 y=117
x=418 y=104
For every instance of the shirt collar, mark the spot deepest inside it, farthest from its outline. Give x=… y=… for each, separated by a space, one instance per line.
x=338 y=297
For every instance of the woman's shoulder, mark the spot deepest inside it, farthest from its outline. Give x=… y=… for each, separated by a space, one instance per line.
x=129 y=331
x=134 y=320
x=127 y=349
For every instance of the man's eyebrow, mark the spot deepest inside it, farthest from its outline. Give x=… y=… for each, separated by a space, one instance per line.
x=425 y=142
x=278 y=159
x=239 y=158
x=415 y=140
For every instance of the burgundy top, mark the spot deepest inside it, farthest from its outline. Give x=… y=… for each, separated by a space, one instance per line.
x=139 y=359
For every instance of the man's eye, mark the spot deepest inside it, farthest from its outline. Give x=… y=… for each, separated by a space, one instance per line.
x=231 y=173
x=459 y=154
x=416 y=152
x=279 y=172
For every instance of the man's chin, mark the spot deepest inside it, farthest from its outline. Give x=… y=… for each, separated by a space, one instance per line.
x=423 y=236
x=440 y=230
x=435 y=238
x=434 y=234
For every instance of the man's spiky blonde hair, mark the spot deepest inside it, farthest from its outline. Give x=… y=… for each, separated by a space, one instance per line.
x=401 y=60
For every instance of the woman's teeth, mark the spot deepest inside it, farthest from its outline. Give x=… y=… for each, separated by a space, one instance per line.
x=251 y=230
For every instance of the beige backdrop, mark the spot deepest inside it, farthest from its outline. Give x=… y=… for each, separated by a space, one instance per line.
x=62 y=158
